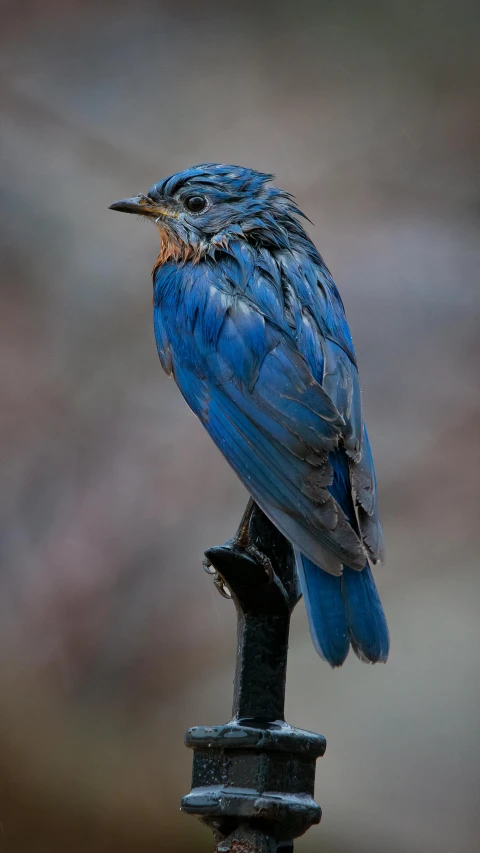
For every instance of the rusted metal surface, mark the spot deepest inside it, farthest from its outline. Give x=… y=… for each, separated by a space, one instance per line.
x=253 y=778
x=246 y=839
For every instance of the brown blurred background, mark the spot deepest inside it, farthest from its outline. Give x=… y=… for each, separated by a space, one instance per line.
x=112 y=639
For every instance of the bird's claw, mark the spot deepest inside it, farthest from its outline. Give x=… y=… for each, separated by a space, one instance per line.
x=261 y=559
x=220 y=584
x=207 y=566
x=218 y=581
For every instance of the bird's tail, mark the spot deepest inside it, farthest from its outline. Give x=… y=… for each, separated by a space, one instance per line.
x=342 y=611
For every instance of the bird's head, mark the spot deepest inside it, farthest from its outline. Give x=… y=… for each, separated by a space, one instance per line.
x=211 y=203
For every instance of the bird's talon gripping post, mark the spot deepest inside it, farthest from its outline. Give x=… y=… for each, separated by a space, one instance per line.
x=262 y=560
x=218 y=581
x=243 y=542
x=207 y=566
x=220 y=584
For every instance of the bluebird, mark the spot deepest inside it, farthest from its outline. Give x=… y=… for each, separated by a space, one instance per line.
x=251 y=326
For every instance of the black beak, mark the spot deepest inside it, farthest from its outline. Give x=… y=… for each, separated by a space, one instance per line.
x=131 y=205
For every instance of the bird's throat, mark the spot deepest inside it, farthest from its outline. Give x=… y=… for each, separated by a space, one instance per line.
x=174 y=249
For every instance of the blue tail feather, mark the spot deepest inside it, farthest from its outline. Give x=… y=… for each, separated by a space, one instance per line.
x=367 y=625
x=345 y=610
x=322 y=594
x=342 y=611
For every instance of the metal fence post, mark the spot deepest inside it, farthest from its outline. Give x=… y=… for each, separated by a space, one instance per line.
x=253 y=778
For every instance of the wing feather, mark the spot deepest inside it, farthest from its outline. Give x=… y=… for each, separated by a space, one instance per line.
x=268 y=367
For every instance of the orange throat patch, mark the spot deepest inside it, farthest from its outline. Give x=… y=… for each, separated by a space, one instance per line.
x=172 y=249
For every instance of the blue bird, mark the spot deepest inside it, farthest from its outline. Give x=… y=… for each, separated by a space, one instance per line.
x=251 y=326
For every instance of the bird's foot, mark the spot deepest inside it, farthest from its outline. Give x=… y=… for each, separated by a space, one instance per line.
x=261 y=559
x=241 y=542
x=218 y=580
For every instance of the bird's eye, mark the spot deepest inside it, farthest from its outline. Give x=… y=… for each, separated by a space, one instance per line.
x=195 y=203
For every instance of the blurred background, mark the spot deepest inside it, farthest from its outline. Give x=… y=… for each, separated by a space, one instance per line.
x=112 y=639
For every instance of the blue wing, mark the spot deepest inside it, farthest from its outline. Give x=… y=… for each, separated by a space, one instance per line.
x=261 y=351
x=321 y=326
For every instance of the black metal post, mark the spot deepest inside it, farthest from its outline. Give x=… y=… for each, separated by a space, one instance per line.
x=253 y=778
